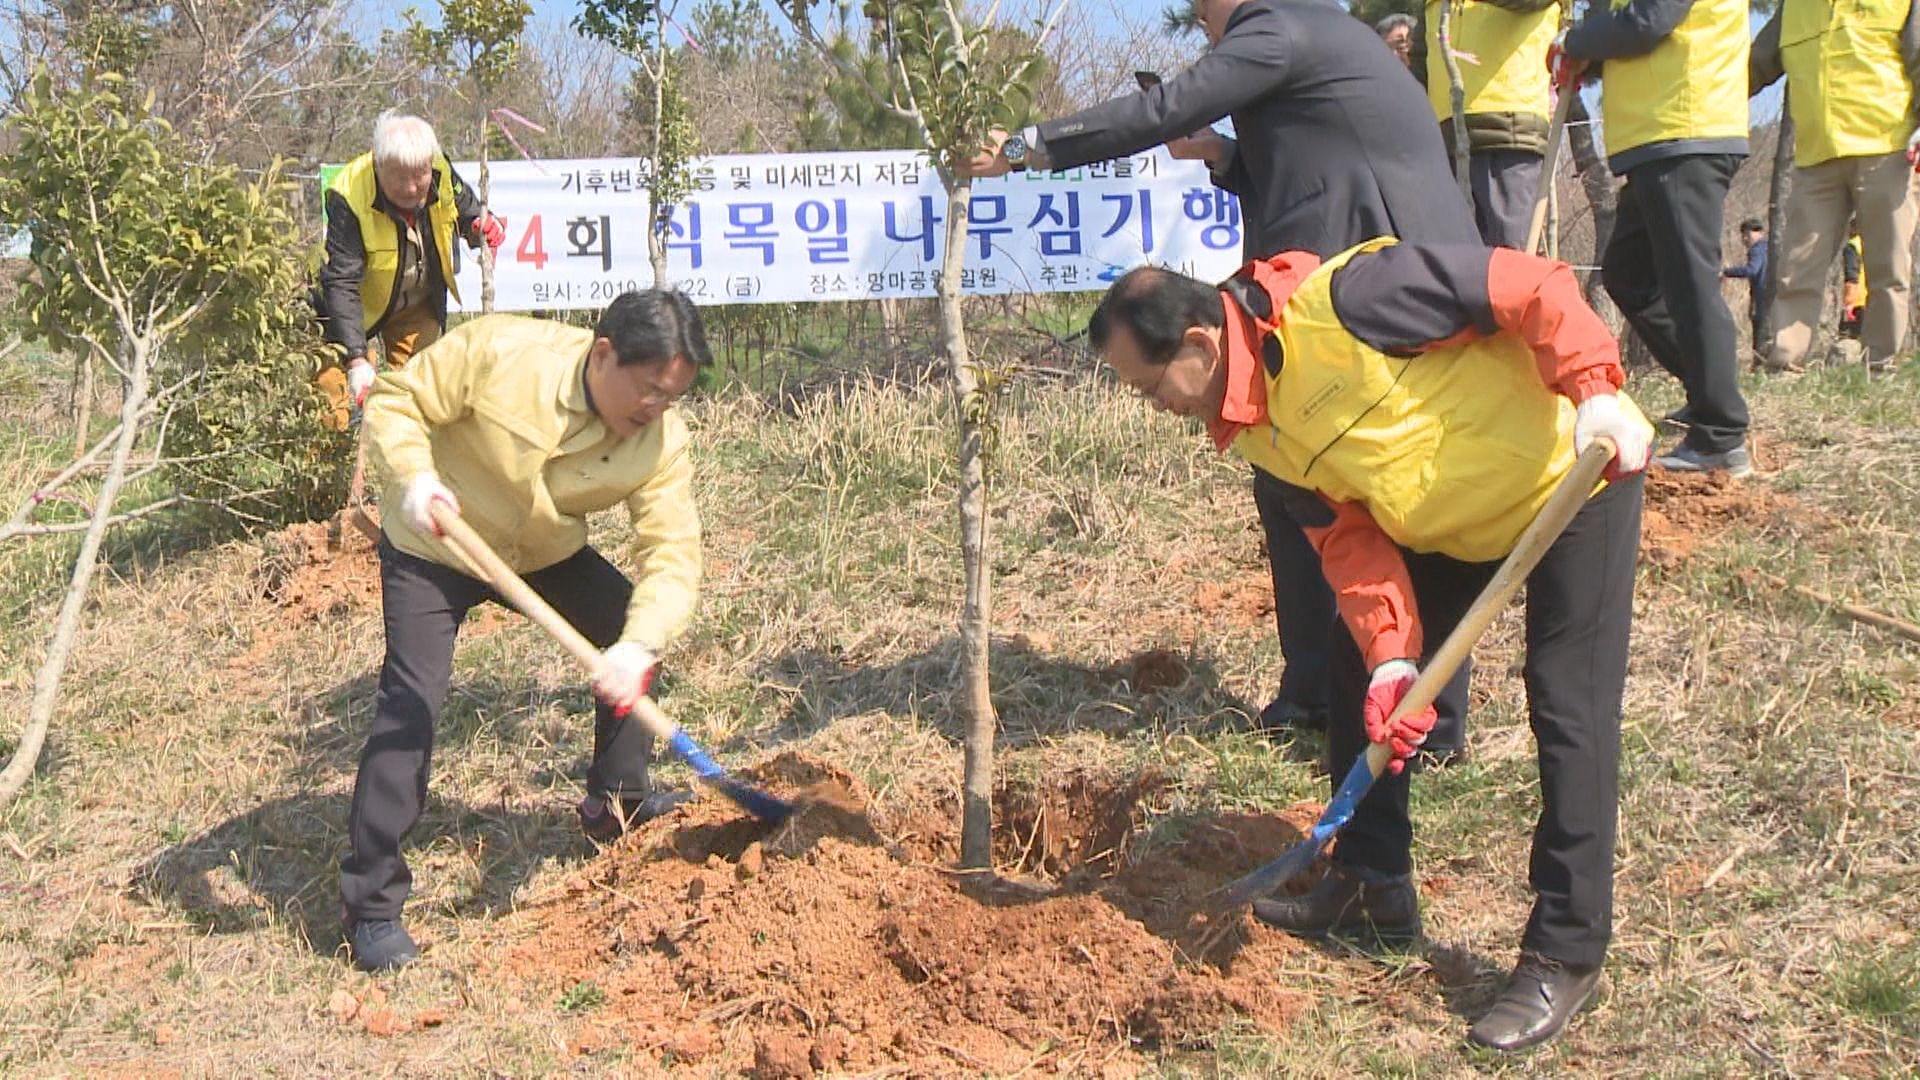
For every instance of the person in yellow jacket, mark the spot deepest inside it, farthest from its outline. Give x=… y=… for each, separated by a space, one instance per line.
x=392 y=217
x=1500 y=48
x=524 y=427
x=1418 y=404
x=1852 y=68
x=1674 y=115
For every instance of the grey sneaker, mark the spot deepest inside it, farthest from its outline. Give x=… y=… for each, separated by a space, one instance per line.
x=1683 y=458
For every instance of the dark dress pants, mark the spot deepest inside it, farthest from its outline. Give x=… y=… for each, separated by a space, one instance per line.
x=423 y=606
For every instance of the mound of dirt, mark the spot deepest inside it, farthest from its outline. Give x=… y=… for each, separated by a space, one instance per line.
x=1686 y=510
x=822 y=945
x=311 y=572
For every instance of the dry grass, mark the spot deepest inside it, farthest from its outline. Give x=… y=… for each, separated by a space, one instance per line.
x=167 y=885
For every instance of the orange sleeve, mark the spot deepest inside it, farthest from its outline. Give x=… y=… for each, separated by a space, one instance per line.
x=1539 y=301
x=1370 y=584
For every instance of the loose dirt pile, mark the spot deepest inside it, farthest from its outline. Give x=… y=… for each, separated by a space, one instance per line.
x=1686 y=510
x=826 y=945
x=311 y=571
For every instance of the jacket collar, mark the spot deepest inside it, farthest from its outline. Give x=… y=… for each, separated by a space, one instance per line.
x=1252 y=352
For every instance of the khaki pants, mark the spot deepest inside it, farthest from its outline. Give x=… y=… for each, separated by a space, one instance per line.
x=1882 y=193
x=406 y=332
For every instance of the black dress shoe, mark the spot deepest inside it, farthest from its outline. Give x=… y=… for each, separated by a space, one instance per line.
x=381 y=945
x=1541 y=997
x=599 y=821
x=1349 y=900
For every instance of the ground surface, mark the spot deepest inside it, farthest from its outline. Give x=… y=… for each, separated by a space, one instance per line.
x=166 y=883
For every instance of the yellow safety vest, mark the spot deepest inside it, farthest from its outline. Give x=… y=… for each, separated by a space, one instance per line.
x=1504 y=66
x=1453 y=451
x=1693 y=85
x=380 y=237
x=1856 y=290
x=1850 y=93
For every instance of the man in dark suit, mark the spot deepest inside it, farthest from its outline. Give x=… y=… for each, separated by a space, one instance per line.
x=1333 y=145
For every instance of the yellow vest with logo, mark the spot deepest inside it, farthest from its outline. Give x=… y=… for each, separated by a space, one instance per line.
x=380 y=237
x=1453 y=451
x=1504 y=69
x=1849 y=84
x=1693 y=85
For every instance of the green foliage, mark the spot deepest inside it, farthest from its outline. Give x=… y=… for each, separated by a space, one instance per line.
x=961 y=78
x=480 y=39
x=140 y=250
x=582 y=996
x=635 y=28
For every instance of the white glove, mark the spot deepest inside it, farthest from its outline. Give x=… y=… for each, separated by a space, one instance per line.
x=625 y=675
x=415 y=505
x=359 y=380
x=1601 y=417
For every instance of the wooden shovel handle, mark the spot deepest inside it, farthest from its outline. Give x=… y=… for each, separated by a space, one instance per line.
x=495 y=572
x=1567 y=499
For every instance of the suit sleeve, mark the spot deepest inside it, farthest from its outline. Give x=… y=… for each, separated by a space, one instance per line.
x=1250 y=62
x=1756 y=265
x=1634 y=30
x=1366 y=572
x=1764 y=66
x=666 y=547
x=1412 y=298
x=340 y=278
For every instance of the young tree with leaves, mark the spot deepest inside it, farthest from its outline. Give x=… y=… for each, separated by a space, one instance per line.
x=638 y=29
x=944 y=78
x=182 y=279
x=478 y=42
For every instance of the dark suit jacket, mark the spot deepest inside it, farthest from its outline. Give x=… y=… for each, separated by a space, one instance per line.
x=1336 y=143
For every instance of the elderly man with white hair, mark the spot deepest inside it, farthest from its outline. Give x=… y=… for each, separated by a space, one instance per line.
x=392 y=215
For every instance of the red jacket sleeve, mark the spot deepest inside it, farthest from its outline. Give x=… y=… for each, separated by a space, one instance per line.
x=1538 y=300
x=1370 y=584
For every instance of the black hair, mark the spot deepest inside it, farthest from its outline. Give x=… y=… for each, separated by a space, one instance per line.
x=1157 y=307
x=651 y=326
x=1753 y=224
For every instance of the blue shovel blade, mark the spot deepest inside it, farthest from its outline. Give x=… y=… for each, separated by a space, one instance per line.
x=1295 y=862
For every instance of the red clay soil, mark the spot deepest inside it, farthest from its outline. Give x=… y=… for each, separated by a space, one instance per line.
x=826 y=946
x=311 y=573
x=1686 y=510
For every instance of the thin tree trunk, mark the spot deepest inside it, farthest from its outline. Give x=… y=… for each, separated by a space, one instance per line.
x=976 y=616
x=662 y=213
x=486 y=191
x=1462 y=150
x=66 y=627
x=1779 y=186
x=1596 y=180
x=82 y=403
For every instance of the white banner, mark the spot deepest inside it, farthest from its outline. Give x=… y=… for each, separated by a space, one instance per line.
x=780 y=228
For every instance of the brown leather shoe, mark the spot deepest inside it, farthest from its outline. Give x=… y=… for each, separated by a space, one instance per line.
x=1542 y=995
x=1349 y=901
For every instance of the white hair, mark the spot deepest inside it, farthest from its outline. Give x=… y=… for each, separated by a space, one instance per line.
x=404 y=140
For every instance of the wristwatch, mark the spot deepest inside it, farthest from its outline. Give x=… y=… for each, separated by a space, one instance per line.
x=1015 y=151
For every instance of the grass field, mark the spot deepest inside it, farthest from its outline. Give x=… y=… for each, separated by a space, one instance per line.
x=167 y=899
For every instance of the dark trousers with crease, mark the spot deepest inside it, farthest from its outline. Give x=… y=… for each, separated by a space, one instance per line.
x=423 y=605
x=1578 y=614
x=1308 y=621
x=1662 y=266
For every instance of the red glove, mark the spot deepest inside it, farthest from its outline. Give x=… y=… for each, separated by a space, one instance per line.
x=494 y=230
x=1564 y=70
x=1389 y=684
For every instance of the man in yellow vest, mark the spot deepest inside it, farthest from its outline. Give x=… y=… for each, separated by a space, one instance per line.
x=1675 y=122
x=524 y=427
x=1851 y=68
x=1419 y=403
x=392 y=216
x=1500 y=47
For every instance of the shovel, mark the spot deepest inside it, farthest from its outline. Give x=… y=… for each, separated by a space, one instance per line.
x=1556 y=134
x=1566 y=501
x=508 y=584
